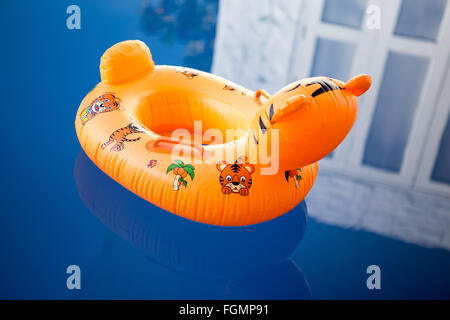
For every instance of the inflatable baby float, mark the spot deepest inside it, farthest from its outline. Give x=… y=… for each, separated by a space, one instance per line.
x=205 y=148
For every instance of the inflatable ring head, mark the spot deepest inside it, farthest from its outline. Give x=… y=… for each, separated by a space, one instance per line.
x=313 y=115
x=163 y=132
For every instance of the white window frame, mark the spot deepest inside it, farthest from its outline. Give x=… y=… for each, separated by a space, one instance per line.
x=423 y=180
x=372 y=48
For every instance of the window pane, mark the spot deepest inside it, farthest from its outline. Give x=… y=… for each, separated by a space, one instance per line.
x=332 y=59
x=441 y=171
x=397 y=101
x=349 y=13
x=420 y=19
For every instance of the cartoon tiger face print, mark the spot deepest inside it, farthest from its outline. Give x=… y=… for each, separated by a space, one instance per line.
x=120 y=136
x=235 y=177
x=104 y=103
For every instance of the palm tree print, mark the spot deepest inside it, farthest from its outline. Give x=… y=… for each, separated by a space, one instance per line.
x=181 y=171
x=296 y=174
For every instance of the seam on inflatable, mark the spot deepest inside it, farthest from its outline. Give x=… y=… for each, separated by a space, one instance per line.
x=119 y=168
x=206 y=212
x=80 y=132
x=162 y=194
x=206 y=207
x=247 y=218
x=96 y=152
x=140 y=191
x=148 y=187
x=197 y=196
x=112 y=163
x=85 y=141
x=136 y=181
x=222 y=218
x=107 y=160
x=133 y=185
x=177 y=202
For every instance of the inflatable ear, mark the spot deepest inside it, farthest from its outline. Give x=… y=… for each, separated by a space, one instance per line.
x=292 y=104
x=359 y=84
x=126 y=61
x=221 y=165
x=250 y=168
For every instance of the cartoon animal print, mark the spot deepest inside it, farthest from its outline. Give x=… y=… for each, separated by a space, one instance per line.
x=105 y=103
x=152 y=163
x=120 y=136
x=236 y=177
x=229 y=88
x=296 y=174
x=189 y=74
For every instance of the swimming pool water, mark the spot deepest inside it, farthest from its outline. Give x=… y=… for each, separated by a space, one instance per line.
x=45 y=226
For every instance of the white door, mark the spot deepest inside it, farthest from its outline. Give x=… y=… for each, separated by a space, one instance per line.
x=401 y=120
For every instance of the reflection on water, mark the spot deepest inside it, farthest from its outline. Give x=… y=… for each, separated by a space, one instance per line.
x=207 y=261
x=192 y=22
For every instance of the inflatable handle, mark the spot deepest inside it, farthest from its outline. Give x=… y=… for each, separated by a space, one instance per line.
x=259 y=93
x=159 y=142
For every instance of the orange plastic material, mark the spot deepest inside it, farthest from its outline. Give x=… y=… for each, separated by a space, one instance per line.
x=129 y=126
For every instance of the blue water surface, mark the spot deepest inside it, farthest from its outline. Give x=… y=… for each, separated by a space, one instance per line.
x=52 y=217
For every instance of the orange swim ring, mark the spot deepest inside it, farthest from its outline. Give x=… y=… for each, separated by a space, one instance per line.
x=205 y=148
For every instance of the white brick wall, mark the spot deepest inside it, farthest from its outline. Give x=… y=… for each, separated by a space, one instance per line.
x=254 y=40
x=399 y=213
